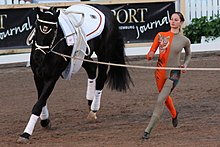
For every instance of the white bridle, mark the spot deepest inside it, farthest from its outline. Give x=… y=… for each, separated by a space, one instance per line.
x=46 y=31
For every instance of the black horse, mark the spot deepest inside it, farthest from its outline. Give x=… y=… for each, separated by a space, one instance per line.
x=50 y=57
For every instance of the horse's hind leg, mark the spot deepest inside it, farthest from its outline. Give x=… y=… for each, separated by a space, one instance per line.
x=91 y=82
x=100 y=81
x=90 y=91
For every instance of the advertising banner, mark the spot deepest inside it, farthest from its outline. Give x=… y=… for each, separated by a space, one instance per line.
x=15 y=26
x=138 y=22
x=141 y=22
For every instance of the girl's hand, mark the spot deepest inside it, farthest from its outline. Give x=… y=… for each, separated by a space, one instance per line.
x=182 y=66
x=150 y=55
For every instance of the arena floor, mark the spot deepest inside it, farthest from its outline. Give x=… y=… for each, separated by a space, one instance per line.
x=123 y=116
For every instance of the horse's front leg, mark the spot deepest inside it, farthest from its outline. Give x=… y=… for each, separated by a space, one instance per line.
x=44 y=116
x=38 y=110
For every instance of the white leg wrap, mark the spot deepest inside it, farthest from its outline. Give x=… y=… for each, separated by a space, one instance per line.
x=44 y=113
x=31 y=124
x=96 y=101
x=90 y=92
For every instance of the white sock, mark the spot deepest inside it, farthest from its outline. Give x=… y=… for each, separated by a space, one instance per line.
x=96 y=101
x=31 y=124
x=90 y=92
x=44 y=113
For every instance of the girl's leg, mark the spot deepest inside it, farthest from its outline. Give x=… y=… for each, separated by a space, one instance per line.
x=160 y=80
x=167 y=88
x=170 y=106
x=158 y=110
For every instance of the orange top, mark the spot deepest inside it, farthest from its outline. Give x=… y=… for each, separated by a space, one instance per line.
x=170 y=47
x=163 y=41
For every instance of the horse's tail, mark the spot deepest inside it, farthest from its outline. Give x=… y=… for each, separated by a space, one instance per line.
x=118 y=77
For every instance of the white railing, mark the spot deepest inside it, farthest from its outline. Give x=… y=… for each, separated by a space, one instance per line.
x=199 y=8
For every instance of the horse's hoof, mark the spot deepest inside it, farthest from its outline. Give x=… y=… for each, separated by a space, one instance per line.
x=92 y=116
x=46 y=124
x=48 y=127
x=23 y=140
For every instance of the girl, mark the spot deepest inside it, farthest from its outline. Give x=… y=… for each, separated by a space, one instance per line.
x=170 y=46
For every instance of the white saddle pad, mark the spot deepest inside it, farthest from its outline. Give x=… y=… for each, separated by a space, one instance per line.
x=92 y=19
x=79 y=23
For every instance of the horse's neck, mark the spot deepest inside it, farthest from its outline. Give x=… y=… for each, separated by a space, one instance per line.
x=60 y=43
x=60 y=33
x=60 y=38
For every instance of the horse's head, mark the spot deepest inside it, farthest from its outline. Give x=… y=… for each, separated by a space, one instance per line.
x=46 y=27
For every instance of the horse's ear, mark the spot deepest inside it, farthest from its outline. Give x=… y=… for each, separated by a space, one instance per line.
x=37 y=10
x=53 y=9
x=58 y=13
